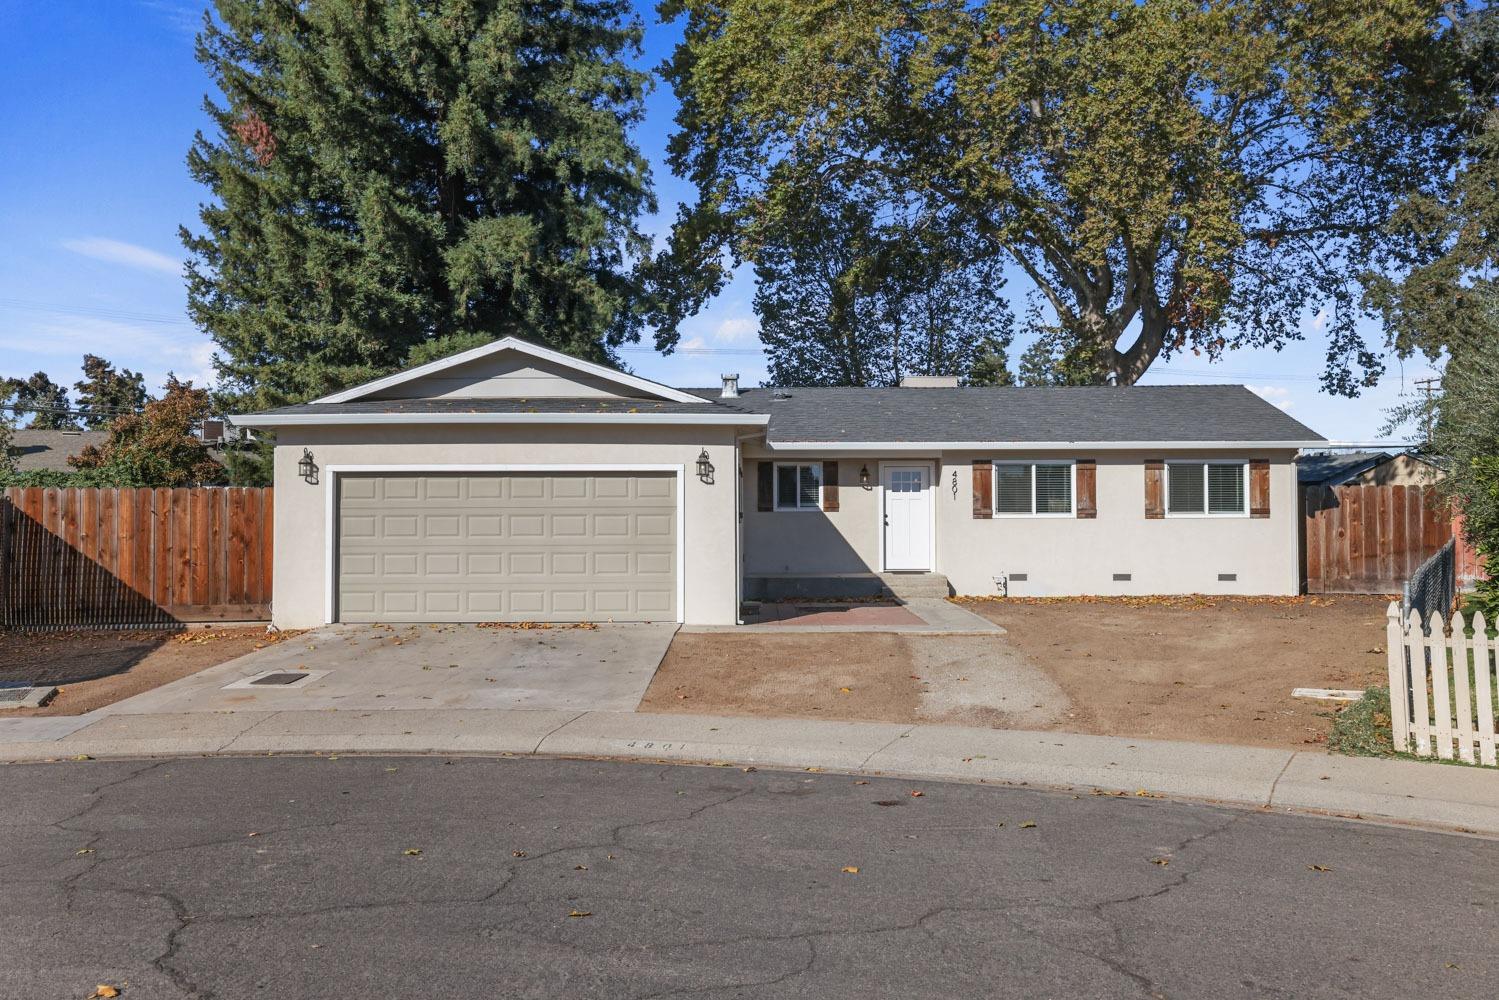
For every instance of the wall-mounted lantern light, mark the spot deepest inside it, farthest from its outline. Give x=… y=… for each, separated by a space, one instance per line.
x=864 y=476
x=307 y=468
x=705 y=468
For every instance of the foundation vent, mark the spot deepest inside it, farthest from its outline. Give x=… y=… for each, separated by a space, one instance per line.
x=1227 y=577
x=1122 y=577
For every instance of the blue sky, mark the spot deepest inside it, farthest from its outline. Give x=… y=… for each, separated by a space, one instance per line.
x=98 y=105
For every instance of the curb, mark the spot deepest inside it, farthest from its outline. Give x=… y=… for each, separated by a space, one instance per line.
x=1458 y=799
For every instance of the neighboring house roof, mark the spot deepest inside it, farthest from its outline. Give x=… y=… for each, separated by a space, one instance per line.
x=839 y=418
x=36 y=450
x=1333 y=468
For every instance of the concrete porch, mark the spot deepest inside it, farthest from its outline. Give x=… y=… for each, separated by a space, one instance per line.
x=775 y=587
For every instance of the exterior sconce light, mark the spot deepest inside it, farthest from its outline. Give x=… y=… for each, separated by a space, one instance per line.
x=307 y=468
x=705 y=467
x=864 y=476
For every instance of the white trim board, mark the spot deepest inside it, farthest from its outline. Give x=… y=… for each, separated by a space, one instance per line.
x=330 y=520
x=1003 y=446
x=523 y=347
x=345 y=419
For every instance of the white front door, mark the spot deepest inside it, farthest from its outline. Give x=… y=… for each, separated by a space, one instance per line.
x=908 y=517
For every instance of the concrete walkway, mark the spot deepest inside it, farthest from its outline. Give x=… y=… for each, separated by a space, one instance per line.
x=1403 y=791
x=913 y=616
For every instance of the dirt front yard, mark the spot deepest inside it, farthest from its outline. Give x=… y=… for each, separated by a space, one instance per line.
x=92 y=669
x=1208 y=669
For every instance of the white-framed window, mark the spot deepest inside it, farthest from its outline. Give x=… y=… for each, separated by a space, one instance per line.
x=1033 y=489
x=799 y=486
x=1207 y=489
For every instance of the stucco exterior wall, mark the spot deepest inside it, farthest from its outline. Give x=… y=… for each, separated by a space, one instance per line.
x=813 y=541
x=302 y=550
x=1059 y=556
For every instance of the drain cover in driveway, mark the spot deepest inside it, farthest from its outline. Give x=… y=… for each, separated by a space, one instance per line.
x=280 y=679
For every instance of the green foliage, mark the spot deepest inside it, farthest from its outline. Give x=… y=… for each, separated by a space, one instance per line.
x=250 y=463
x=391 y=172
x=106 y=393
x=1445 y=301
x=846 y=298
x=155 y=447
x=7 y=435
x=45 y=400
x=1363 y=729
x=1172 y=176
x=1467 y=434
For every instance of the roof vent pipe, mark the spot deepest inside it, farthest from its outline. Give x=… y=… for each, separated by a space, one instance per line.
x=730 y=387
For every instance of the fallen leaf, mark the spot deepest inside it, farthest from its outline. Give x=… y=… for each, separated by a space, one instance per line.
x=87 y=850
x=580 y=868
x=252 y=833
x=846 y=690
x=412 y=852
x=917 y=793
x=104 y=990
x=814 y=770
x=1318 y=868
x=850 y=869
x=1163 y=862
x=1141 y=793
x=517 y=854
x=80 y=756
x=861 y=782
x=580 y=913
x=1028 y=825
x=747 y=770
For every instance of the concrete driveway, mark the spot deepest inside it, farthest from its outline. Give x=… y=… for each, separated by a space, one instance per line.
x=364 y=667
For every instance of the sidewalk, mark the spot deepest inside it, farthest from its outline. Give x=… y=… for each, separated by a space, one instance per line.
x=1312 y=781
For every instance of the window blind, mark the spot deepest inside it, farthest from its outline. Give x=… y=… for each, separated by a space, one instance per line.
x=1184 y=487
x=1225 y=489
x=1012 y=489
x=1053 y=489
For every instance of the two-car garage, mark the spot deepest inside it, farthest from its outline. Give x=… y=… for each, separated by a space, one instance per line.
x=506 y=545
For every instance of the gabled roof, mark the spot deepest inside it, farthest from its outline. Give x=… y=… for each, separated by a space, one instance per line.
x=620 y=378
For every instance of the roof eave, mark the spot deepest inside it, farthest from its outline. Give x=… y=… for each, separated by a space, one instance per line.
x=1033 y=445
x=369 y=419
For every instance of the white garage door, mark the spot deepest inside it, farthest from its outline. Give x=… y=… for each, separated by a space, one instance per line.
x=510 y=546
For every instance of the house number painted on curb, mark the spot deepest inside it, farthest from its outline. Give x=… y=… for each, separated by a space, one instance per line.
x=643 y=745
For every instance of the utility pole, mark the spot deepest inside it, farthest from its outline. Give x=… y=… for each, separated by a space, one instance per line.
x=1429 y=386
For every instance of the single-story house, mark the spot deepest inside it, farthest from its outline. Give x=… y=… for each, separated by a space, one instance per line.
x=1367 y=468
x=38 y=450
x=512 y=482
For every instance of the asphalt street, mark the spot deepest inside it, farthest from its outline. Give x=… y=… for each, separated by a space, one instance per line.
x=395 y=877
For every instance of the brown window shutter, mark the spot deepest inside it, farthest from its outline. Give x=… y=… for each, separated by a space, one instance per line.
x=1259 y=487
x=1155 y=488
x=829 y=485
x=983 y=487
x=766 y=486
x=1086 y=501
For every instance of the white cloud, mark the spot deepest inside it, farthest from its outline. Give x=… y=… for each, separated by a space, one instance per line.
x=736 y=328
x=128 y=254
x=692 y=344
x=57 y=345
x=1320 y=320
x=1274 y=394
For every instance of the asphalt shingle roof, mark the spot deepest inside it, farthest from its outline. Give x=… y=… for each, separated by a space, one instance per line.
x=1162 y=413
x=35 y=450
x=890 y=414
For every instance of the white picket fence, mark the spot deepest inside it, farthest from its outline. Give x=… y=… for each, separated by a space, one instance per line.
x=1442 y=687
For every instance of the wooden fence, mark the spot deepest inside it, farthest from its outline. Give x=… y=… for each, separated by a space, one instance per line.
x=110 y=557
x=1444 y=691
x=1369 y=539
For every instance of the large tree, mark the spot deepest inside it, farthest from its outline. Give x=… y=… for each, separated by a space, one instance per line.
x=106 y=392
x=42 y=399
x=390 y=172
x=1178 y=175
x=1446 y=303
x=845 y=297
x=155 y=447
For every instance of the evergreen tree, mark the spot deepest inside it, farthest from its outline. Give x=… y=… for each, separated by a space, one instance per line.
x=156 y=446
x=42 y=399
x=105 y=393
x=848 y=297
x=388 y=173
